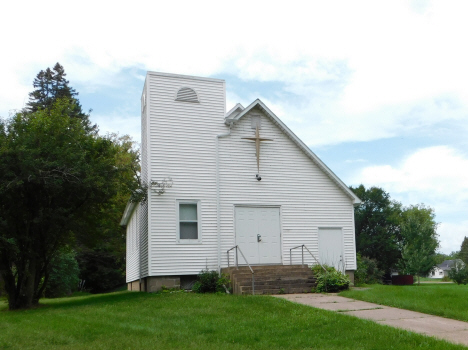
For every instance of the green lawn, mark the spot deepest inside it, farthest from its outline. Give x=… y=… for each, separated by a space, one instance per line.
x=428 y=279
x=189 y=321
x=447 y=300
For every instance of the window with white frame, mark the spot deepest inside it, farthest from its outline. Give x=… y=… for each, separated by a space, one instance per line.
x=189 y=223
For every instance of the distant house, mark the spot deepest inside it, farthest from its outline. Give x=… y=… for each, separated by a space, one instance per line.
x=443 y=269
x=223 y=180
x=437 y=272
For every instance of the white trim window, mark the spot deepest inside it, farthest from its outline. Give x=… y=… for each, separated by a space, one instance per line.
x=188 y=222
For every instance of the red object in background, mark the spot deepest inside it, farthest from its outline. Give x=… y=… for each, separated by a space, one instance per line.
x=402 y=280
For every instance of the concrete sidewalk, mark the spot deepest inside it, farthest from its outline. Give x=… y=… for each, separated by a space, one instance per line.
x=444 y=328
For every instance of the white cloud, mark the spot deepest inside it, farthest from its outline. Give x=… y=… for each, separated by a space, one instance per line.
x=395 y=54
x=437 y=173
x=127 y=125
x=436 y=176
x=453 y=235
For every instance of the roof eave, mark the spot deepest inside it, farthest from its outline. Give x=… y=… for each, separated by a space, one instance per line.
x=127 y=213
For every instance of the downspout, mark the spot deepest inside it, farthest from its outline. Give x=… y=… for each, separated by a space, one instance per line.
x=218 y=210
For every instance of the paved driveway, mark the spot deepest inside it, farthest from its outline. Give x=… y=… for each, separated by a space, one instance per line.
x=439 y=327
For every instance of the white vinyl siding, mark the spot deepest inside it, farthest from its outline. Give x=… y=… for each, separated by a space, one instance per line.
x=308 y=198
x=143 y=210
x=133 y=251
x=181 y=144
x=182 y=140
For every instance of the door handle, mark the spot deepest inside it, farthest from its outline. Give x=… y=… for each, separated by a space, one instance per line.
x=259 y=238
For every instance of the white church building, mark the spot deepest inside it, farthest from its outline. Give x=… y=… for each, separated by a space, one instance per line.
x=222 y=179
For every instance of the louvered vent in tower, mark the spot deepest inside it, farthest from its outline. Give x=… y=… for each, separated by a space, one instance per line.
x=187 y=95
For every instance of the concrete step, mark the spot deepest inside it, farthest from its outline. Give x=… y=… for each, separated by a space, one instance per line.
x=271 y=279
x=285 y=290
x=269 y=269
x=273 y=274
x=264 y=268
x=271 y=282
x=258 y=279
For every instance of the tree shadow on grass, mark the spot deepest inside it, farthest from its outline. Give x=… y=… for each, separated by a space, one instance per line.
x=93 y=299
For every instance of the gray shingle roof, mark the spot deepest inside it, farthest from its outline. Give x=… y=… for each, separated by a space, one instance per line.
x=447 y=264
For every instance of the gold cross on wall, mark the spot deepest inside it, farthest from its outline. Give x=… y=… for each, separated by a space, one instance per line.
x=257 y=140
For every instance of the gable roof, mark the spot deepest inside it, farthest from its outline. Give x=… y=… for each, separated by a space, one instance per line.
x=448 y=264
x=232 y=118
x=238 y=108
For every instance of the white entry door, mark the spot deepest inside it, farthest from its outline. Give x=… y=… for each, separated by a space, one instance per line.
x=258 y=234
x=331 y=247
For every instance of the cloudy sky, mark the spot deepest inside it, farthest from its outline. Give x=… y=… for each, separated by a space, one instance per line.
x=377 y=89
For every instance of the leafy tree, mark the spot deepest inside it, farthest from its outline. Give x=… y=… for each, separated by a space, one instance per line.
x=377 y=227
x=55 y=173
x=51 y=85
x=463 y=255
x=419 y=240
x=441 y=257
x=101 y=270
x=2 y=287
x=63 y=274
x=101 y=253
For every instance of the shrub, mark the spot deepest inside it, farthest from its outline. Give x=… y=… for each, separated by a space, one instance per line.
x=331 y=281
x=210 y=282
x=367 y=271
x=446 y=279
x=459 y=273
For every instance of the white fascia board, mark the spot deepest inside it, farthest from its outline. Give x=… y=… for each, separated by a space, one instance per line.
x=192 y=77
x=128 y=213
x=233 y=109
x=299 y=143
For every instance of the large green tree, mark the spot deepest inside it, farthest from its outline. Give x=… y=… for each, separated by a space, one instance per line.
x=50 y=85
x=463 y=254
x=101 y=255
x=441 y=257
x=55 y=173
x=377 y=226
x=419 y=240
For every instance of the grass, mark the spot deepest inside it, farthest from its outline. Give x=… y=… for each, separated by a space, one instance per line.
x=428 y=279
x=127 y=320
x=446 y=300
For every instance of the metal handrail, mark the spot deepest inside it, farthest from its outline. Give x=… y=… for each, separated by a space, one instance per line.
x=236 y=247
x=302 y=249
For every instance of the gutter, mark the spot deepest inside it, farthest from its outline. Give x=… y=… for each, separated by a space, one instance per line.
x=218 y=210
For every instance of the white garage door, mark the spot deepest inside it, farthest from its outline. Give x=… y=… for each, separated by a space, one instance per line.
x=331 y=247
x=258 y=234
